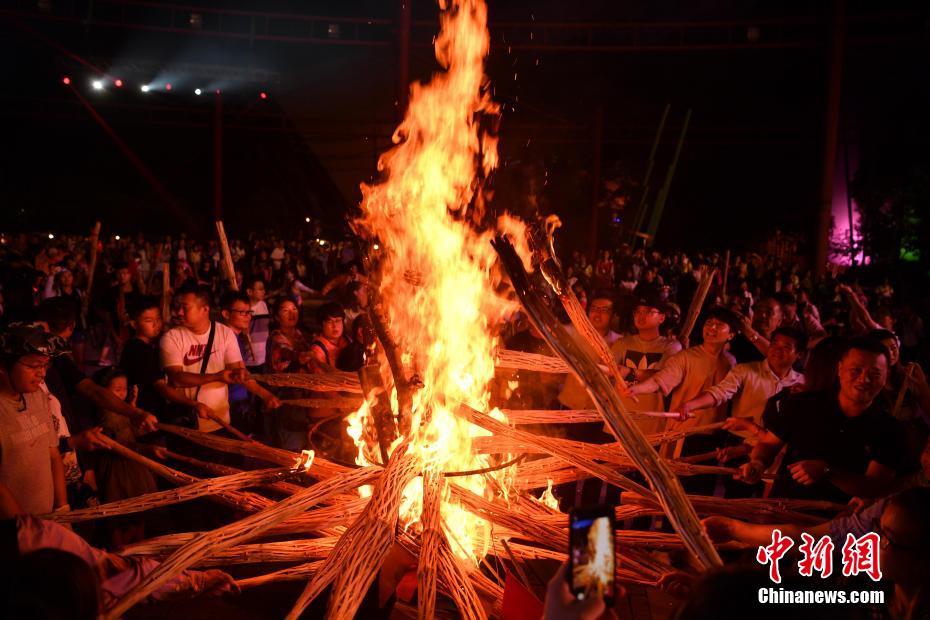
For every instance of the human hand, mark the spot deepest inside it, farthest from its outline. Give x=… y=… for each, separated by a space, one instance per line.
x=561 y=604
x=133 y=395
x=719 y=529
x=677 y=584
x=750 y=472
x=740 y=425
x=89 y=440
x=203 y=411
x=145 y=422
x=858 y=504
x=808 y=472
x=272 y=402
x=731 y=452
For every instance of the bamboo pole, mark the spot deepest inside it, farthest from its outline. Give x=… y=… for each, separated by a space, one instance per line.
x=336 y=402
x=697 y=302
x=225 y=470
x=228 y=265
x=666 y=186
x=641 y=207
x=235 y=533
x=91 y=269
x=666 y=485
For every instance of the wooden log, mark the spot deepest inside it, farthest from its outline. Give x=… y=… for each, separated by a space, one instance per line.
x=228 y=267
x=668 y=489
x=235 y=533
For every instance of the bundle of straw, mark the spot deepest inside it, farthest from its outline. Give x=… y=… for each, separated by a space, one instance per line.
x=354 y=561
x=518 y=360
x=457 y=584
x=697 y=302
x=237 y=532
x=158 y=499
x=433 y=487
x=336 y=402
x=236 y=499
x=321 y=467
x=320 y=382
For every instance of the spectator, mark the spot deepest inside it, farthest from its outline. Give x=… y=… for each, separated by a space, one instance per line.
x=839 y=444
x=32 y=475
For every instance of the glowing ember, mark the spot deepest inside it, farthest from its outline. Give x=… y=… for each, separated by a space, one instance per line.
x=437 y=270
x=305 y=460
x=547 y=498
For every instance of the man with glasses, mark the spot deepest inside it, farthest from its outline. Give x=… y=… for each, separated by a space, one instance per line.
x=32 y=476
x=601 y=314
x=237 y=315
x=839 y=443
x=641 y=354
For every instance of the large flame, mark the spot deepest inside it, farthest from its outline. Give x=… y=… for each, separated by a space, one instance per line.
x=437 y=271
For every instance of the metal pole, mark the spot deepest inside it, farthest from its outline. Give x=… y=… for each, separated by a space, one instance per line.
x=596 y=178
x=218 y=158
x=403 y=56
x=834 y=96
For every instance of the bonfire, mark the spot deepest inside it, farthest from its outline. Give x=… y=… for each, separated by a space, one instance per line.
x=438 y=473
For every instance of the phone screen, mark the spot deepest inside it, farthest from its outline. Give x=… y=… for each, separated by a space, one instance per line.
x=591 y=553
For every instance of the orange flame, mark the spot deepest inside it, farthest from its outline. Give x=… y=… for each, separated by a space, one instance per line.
x=437 y=271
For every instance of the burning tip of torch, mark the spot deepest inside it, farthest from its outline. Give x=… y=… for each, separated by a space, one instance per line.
x=305 y=460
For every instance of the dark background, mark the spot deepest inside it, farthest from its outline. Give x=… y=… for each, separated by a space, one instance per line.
x=752 y=161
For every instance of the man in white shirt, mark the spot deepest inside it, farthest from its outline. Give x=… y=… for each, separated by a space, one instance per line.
x=750 y=385
x=183 y=349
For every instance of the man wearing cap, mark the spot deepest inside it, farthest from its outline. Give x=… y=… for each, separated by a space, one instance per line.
x=32 y=476
x=640 y=355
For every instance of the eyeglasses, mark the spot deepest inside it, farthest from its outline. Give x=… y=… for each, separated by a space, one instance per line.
x=644 y=311
x=36 y=367
x=243 y=312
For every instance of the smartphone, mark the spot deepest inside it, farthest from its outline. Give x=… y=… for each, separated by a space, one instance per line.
x=591 y=554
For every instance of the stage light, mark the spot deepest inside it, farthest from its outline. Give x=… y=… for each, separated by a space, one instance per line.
x=376 y=247
x=66 y=81
x=118 y=83
x=116 y=237
x=307 y=220
x=168 y=86
x=198 y=92
x=97 y=84
x=217 y=91
x=145 y=88
x=263 y=95
x=51 y=236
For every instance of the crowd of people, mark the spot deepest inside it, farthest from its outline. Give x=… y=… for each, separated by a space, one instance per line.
x=818 y=381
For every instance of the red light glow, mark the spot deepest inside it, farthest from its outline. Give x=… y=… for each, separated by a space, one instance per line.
x=118 y=83
x=263 y=95
x=168 y=86
x=66 y=81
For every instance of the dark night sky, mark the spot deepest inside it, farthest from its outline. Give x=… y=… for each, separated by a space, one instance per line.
x=752 y=161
